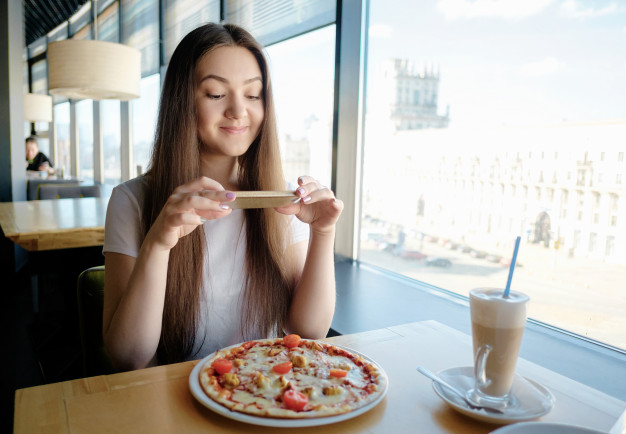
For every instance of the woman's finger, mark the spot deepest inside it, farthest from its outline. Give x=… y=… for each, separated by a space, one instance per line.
x=307 y=186
x=199 y=184
x=197 y=204
x=317 y=195
x=223 y=197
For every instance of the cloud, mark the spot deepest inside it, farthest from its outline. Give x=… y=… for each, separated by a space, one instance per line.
x=573 y=9
x=543 y=67
x=467 y=9
x=381 y=31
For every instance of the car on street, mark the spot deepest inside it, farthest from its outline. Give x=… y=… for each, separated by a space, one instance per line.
x=434 y=261
x=412 y=254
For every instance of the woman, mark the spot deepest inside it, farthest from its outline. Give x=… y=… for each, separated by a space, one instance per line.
x=187 y=275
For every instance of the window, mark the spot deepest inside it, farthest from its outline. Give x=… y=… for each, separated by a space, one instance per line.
x=84 y=120
x=39 y=84
x=182 y=16
x=593 y=239
x=272 y=21
x=109 y=24
x=302 y=78
x=80 y=22
x=610 y=247
x=111 y=140
x=145 y=111
x=596 y=208
x=140 y=29
x=62 y=129
x=491 y=107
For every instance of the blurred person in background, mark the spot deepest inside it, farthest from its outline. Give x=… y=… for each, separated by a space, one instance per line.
x=36 y=160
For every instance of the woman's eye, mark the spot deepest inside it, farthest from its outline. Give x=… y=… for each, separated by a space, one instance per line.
x=211 y=96
x=254 y=97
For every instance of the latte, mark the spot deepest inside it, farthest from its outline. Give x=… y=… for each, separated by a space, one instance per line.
x=497 y=328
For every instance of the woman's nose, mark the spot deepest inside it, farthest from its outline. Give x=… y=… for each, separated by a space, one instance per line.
x=236 y=108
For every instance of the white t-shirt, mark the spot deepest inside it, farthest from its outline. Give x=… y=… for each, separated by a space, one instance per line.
x=222 y=287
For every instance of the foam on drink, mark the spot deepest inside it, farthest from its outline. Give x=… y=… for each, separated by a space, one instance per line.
x=491 y=309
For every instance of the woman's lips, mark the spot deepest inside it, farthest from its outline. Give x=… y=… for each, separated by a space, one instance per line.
x=234 y=130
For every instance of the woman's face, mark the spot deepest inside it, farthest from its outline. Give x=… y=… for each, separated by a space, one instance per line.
x=229 y=100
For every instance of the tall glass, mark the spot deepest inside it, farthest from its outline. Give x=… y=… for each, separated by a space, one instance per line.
x=498 y=324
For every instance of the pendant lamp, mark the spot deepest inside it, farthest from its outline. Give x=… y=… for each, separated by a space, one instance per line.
x=93 y=69
x=37 y=108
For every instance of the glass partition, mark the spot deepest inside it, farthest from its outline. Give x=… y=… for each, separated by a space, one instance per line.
x=140 y=29
x=84 y=120
x=182 y=16
x=111 y=141
x=62 y=130
x=485 y=122
x=303 y=71
x=109 y=24
x=273 y=21
x=145 y=111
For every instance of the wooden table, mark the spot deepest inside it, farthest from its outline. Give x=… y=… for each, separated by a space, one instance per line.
x=54 y=224
x=158 y=400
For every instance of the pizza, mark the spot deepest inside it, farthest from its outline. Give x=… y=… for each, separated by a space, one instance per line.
x=291 y=378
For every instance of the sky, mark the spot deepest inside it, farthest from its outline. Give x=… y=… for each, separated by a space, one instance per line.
x=511 y=62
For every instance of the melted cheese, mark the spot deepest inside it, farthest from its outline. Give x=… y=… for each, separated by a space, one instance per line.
x=314 y=377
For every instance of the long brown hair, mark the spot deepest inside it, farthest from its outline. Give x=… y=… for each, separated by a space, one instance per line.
x=176 y=160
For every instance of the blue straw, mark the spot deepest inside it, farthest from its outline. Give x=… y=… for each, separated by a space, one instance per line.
x=511 y=268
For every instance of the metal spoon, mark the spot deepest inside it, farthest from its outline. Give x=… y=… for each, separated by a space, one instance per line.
x=460 y=394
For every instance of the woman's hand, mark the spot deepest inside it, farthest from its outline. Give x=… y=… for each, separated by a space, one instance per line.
x=317 y=205
x=188 y=207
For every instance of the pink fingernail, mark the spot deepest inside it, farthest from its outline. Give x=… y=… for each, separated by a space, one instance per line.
x=300 y=191
x=306 y=199
x=224 y=206
x=230 y=195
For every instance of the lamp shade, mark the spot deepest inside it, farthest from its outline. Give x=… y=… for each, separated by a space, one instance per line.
x=80 y=69
x=37 y=108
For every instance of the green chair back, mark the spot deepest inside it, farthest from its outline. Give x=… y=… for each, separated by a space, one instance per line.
x=90 y=305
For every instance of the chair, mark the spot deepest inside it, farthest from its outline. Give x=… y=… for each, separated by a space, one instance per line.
x=90 y=292
x=33 y=184
x=62 y=191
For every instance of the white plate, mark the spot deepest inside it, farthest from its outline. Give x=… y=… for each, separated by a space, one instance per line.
x=544 y=428
x=532 y=400
x=200 y=395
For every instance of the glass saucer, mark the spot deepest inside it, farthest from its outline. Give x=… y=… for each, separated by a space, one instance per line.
x=531 y=399
x=544 y=428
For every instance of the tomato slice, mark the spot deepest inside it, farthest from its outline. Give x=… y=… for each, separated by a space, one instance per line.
x=282 y=368
x=295 y=400
x=339 y=373
x=291 y=341
x=222 y=366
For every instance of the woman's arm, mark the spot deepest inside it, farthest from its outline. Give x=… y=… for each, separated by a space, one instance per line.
x=134 y=295
x=313 y=302
x=135 y=287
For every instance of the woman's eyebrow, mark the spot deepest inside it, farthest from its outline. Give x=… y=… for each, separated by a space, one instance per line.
x=225 y=80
